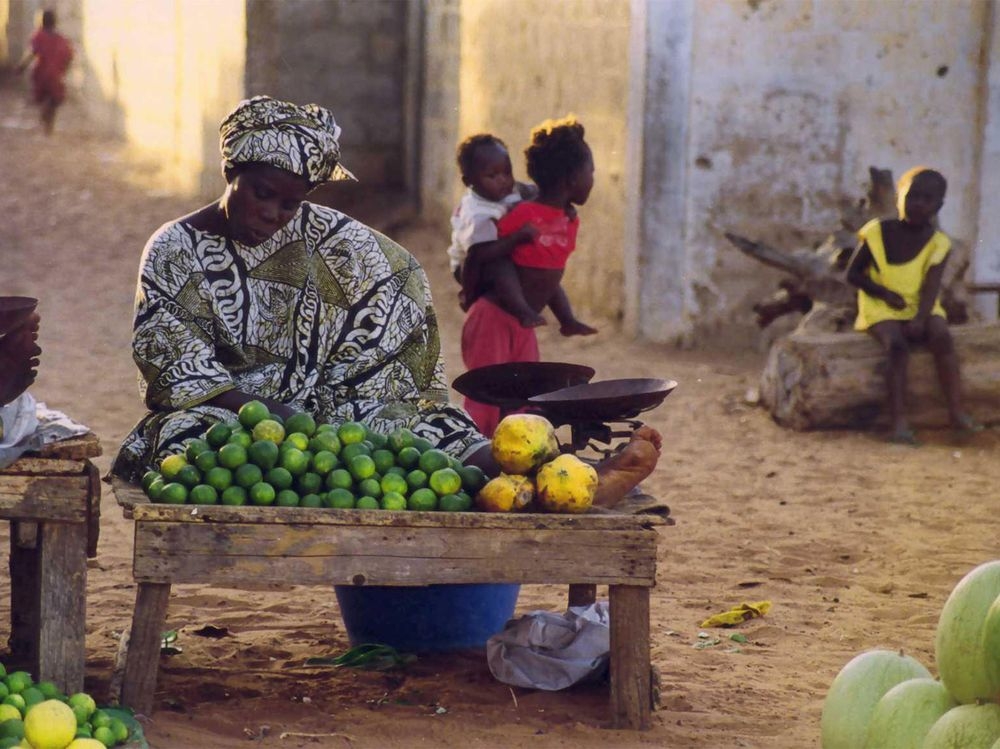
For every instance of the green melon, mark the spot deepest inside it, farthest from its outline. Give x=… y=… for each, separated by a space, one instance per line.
x=990 y=640
x=958 y=644
x=856 y=691
x=965 y=727
x=906 y=713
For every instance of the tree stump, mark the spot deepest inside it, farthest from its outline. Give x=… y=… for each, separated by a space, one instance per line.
x=818 y=380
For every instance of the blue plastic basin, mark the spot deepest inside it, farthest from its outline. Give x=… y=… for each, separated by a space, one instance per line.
x=426 y=618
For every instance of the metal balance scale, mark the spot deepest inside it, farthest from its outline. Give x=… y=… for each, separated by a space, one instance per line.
x=600 y=415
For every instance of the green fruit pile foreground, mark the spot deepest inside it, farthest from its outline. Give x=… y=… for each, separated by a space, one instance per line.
x=39 y=716
x=264 y=461
x=886 y=700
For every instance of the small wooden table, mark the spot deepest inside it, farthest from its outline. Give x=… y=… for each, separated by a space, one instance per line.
x=226 y=546
x=52 y=499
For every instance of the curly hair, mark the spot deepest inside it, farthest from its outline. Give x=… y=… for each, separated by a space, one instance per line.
x=556 y=150
x=466 y=152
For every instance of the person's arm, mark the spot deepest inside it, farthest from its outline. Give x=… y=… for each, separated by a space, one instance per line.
x=857 y=276
x=232 y=400
x=485 y=252
x=29 y=55
x=563 y=310
x=929 y=291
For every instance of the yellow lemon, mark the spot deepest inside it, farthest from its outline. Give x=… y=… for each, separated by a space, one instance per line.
x=269 y=429
x=50 y=725
x=506 y=493
x=9 y=712
x=86 y=744
x=566 y=484
x=523 y=442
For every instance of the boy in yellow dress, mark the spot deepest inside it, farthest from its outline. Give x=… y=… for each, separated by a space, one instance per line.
x=898 y=267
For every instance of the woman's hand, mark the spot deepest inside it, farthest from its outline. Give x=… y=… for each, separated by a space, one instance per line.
x=893 y=299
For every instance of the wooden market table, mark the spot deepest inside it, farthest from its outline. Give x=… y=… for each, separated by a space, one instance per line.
x=52 y=500
x=227 y=546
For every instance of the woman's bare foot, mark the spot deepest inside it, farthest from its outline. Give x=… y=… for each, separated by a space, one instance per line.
x=622 y=472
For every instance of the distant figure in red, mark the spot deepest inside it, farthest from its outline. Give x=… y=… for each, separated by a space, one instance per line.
x=52 y=53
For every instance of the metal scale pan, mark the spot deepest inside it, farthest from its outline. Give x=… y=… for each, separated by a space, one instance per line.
x=510 y=386
x=604 y=401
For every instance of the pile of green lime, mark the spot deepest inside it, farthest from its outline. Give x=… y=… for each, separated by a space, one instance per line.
x=260 y=459
x=40 y=716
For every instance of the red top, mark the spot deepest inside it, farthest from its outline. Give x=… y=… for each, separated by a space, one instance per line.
x=556 y=234
x=53 y=50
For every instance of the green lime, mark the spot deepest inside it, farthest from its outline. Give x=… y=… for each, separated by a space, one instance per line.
x=367 y=503
x=422 y=444
x=154 y=489
x=339 y=478
x=454 y=463
x=392 y=482
x=100 y=719
x=398 y=470
x=297 y=439
x=361 y=467
x=207 y=461
x=3 y=689
x=32 y=696
x=294 y=461
x=84 y=731
x=15 y=701
x=371 y=487
x=195 y=447
x=12 y=728
x=270 y=430
x=301 y=422
x=189 y=475
x=354 y=449
x=393 y=501
x=173 y=493
x=434 y=460
x=263 y=453
x=234 y=496
x=18 y=681
x=83 y=701
x=351 y=432
x=171 y=465
x=416 y=479
x=219 y=478
x=324 y=461
x=384 y=460
x=287 y=498
x=279 y=478
x=247 y=475
x=148 y=478
x=203 y=494
x=326 y=426
x=455 y=503
x=340 y=499
x=252 y=413
x=218 y=434
x=261 y=493
x=325 y=441
x=232 y=455
x=378 y=440
x=408 y=457
x=309 y=483
x=49 y=690
x=105 y=735
x=241 y=437
x=311 y=500
x=422 y=500
x=445 y=481
x=473 y=478
x=119 y=729
x=400 y=438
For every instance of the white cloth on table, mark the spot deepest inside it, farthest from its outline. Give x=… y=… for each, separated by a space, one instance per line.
x=26 y=424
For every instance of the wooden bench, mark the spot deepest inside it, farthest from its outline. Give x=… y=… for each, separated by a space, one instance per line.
x=52 y=500
x=226 y=546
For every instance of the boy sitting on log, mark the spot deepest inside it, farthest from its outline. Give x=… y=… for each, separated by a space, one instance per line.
x=897 y=268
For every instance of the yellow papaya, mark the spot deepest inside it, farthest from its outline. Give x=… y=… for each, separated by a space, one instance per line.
x=506 y=493
x=566 y=484
x=523 y=442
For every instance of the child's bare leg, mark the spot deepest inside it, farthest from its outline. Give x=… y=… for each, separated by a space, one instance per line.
x=509 y=294
x=942 y=346
x=622 y=472
x=893 y=341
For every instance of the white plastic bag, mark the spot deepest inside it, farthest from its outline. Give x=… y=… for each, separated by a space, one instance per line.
x=544 y=650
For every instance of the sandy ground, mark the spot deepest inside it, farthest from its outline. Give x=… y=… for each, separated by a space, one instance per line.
x=855 y=542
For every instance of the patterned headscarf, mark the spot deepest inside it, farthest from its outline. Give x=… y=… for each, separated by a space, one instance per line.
x=298 y=139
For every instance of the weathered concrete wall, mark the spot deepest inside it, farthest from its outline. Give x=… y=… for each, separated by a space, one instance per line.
x=527 y=60
x=347 y=55
x=163 y=74
x=789 y=104
x=986 y=266
x=441 y=101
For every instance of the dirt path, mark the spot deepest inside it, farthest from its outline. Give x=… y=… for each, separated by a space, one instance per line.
x=855 y=542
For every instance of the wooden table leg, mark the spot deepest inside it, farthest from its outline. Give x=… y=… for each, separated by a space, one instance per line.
x=24 y=591
x=62 y=604
x=582 y=595
x=631 y=687
x=143 y=659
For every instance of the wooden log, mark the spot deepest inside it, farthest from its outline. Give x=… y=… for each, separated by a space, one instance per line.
x=836 y=380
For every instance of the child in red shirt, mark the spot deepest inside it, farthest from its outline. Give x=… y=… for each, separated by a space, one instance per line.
x=52 y=53
x=560 y=162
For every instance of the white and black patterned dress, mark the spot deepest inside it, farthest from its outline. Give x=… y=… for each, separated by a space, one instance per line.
x=327 y=316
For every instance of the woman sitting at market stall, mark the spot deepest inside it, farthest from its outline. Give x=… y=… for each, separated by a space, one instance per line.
x=264 y=295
